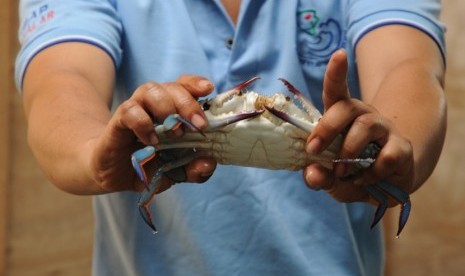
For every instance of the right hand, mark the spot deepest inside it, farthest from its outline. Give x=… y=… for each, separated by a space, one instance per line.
x=132 y=125
x=362 y=124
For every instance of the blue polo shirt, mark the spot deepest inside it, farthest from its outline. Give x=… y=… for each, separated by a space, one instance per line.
x=243 y=220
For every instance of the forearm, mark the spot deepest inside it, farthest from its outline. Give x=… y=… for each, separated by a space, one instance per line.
x=66 y=112
x=79 y=144
x=405 y=84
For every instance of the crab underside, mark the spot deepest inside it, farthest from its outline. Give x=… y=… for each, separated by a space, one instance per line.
x=249 y=129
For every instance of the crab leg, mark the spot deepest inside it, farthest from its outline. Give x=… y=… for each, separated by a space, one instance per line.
x=174 y=121
x=307 y=104
x=302 y=124
x=218 y=123
x=154 y=187
x=142 y=156
x=379 y=191
x=221 y=98
x=192 y=139
x=381 y=198
x=139 y=159
x=145 y=198
x=402 y=197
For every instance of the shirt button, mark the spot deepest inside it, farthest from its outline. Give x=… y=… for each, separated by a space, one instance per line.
x=229 y=42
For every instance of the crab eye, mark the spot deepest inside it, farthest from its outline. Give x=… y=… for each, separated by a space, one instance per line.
x=288 y=99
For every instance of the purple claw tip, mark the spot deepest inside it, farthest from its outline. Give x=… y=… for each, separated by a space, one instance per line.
x=243 y=85
x=147 y=218
x=278 y=113
x=290 y=87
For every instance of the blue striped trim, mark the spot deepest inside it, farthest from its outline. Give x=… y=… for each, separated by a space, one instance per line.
x=403 y=22
x=54 y=42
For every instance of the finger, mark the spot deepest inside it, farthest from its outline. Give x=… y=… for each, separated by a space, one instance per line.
x=155 y=99
x=150 y=100
x=335 y=121
x=369 y=127
x=200 y=169
x=317 y=177
x=394 y=162
x=169 y=98
x=334 y=83
x=344 y=191
x=186 y=105
x=196 y=85
x=130 y=115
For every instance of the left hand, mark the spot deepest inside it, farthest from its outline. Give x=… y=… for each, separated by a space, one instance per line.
x=361 y=124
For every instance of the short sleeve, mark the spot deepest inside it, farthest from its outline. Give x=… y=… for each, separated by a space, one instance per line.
x=46 y=23
x=366 y=15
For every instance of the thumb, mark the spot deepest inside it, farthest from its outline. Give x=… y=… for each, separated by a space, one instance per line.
x=335 y=83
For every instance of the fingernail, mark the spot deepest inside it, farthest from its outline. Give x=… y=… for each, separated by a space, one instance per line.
x=198 y=121
x=314 y=146
x=342 y=50
x=205 y=85
x=309 y=183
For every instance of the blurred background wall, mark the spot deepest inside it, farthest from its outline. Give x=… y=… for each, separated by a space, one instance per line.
x=44 y=231
x=434 y=240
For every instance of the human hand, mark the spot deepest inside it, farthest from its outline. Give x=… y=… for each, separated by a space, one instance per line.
x=361 y=124
x=132 y=125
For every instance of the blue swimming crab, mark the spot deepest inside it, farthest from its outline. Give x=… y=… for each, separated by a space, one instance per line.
x=249 y=129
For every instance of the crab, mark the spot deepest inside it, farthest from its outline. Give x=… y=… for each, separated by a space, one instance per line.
x=249 y=129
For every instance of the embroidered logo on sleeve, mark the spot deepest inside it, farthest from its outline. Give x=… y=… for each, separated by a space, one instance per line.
x=318 y=39
x=35 y=20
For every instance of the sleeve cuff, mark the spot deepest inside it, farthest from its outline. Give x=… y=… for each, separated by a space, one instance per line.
x=363 y=26
x=26 y=56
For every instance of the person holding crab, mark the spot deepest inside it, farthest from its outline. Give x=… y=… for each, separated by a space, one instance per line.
x=96 y=75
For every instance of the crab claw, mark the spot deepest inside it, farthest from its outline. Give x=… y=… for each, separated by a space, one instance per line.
x=380 y=192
